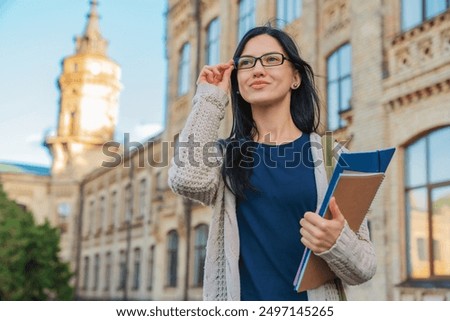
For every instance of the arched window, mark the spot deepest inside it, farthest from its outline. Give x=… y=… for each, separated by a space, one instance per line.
x=213 y=43
x=246 y=17
x=427 y=195
x=143 y=197
x=339 y=85
x=172 y=258
x=122 y=270
x=96 y=271
x=86 y=273
x=288 y=11
x=137 y=268
x=151 y=268
x=183 y=69
x=108 y=262
x=201 y=236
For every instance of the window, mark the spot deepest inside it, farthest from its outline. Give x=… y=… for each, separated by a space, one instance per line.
x=172 y=258
x=128 y=203
x=101 y=213
x=201 y=236
x=91 y=218
x=137 y=268
x=246 y=17
x=86 y=273
x=122 y=270
x=339 y=85
x=414 y=12
x=183 y=70
x=114 y=215
x=107 y=271
x=151 y=268
x=63 y=210
x=288 y=11
x=427 y=195
x=96 y=271
x=213 y=43
x=142 y=197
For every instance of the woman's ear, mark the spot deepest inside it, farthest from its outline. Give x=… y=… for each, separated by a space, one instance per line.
x=296 y=80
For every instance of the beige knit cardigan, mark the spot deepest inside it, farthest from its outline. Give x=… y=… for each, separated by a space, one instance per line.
x=195 y=173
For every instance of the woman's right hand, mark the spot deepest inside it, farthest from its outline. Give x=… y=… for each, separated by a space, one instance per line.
x=218 y=75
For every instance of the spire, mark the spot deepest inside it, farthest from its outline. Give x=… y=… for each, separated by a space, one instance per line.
x=92 y=41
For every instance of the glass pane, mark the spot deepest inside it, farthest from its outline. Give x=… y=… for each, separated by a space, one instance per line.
x=417 y=233
x=439 y=155
x=434 y=7
x=298 y=8
x=290 y=11
x=345 y=60
x=333 y=99
x=441 y=230
x=332 y=67
x=411 y=13
x=280 y=11
x=183 y=81
x=346 y=93
x=212 y=53
x=416 y=160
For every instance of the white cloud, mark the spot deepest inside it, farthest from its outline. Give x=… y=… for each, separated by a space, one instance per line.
x=36 y=138
x=142 y=132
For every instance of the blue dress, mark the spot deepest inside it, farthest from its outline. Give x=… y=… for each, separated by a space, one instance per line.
x=268 y=220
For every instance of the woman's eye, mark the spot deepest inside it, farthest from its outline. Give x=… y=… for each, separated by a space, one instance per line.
x=272 y=59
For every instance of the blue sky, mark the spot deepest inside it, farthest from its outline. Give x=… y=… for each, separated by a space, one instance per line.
x=35 y=35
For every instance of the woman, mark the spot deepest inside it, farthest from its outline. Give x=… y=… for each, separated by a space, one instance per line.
x=270 y=180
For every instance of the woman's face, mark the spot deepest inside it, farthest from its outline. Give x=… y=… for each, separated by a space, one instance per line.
x=262 y=85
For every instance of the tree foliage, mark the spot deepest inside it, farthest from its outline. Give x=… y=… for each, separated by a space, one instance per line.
x=30 y=268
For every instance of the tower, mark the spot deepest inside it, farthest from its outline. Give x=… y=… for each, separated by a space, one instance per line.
x=90 y=87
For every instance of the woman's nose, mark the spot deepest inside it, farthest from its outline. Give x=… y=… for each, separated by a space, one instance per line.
x=258 y=69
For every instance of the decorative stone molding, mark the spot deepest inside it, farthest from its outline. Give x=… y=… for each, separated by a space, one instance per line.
x=336 y=15
x=420 y=48
x=416 y=96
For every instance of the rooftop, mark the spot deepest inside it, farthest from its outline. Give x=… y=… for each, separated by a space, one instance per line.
x=12 y=167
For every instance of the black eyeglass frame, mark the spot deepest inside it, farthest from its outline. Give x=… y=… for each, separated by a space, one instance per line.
x=236 y=60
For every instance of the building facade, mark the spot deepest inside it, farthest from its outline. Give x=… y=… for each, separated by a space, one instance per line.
x=383 y=73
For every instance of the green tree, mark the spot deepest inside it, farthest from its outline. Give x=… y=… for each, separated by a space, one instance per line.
x=30 y=268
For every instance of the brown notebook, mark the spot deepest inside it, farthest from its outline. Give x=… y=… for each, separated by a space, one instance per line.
x=354 y=194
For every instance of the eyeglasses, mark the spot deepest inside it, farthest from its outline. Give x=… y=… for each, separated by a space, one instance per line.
x=267 y=60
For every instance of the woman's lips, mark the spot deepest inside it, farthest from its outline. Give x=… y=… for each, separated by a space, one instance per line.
x=258 y=84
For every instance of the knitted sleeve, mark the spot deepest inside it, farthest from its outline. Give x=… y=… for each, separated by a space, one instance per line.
x=352 y=258
x=195 y=167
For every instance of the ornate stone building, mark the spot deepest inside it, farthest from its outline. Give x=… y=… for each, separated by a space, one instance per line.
x=383 y=74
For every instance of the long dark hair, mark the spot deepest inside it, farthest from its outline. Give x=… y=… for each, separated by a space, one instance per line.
x=305 y=112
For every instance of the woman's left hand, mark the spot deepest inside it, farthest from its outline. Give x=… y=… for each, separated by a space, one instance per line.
x=320 y=234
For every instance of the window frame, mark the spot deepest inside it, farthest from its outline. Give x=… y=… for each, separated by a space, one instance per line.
x=340 y=79
x=172 y=259
x=423 y=14
x=247 y=18
x=212 y=41
x=184 y=65
x=137 y=265
x=283 y=18
x=430 y=242
x=199 y=254
x=151 y=267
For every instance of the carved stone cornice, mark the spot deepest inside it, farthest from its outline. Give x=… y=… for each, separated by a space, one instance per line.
x=434 y=23
x=336 y=16
x=420 y=49
x=418 y=95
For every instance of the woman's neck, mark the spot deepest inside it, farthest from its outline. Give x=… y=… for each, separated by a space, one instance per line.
x=275 y=125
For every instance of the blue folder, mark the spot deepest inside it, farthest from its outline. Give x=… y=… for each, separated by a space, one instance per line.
x=354 y=183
